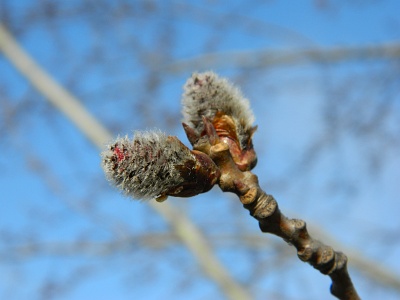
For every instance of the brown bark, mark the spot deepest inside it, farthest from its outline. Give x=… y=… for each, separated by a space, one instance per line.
x=264 y=208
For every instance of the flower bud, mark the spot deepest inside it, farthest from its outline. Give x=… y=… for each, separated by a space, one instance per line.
x=153 y=165
x=205 y=94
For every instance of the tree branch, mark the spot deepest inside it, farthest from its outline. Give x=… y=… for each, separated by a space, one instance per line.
x=264 y=208
x=281 y=57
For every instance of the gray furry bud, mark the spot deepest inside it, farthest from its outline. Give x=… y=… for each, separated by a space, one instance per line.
x=206 y=94
x=153 y=165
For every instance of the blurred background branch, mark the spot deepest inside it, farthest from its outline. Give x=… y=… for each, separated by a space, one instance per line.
x=270 y=58
x=323 y=80
x=190 y=235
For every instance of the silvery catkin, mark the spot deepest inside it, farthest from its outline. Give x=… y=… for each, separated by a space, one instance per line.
x=153 y=165
x=206 y=94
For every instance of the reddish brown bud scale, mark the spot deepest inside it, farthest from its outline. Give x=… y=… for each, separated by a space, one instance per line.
x=243 y=154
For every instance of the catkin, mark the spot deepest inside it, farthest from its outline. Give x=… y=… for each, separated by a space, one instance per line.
x=205 y=94
x=145 y=167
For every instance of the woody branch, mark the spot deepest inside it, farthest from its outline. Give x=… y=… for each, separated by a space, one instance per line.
x=264 y=208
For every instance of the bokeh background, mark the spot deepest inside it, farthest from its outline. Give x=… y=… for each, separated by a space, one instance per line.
x=323 y=79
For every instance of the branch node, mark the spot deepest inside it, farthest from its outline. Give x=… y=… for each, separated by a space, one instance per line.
x=326 y=262
x=306 y=253
x=240 y=186
x=300 y=227
x=250 y=196
x=264 y=207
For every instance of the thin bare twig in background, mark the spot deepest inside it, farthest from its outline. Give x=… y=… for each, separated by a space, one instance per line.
x=388 y=55
x=281 y=57
x=190 y=235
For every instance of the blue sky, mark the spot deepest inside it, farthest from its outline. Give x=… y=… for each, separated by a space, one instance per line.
x=54 y=191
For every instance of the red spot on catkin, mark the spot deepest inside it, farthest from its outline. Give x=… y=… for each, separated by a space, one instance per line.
x=119 y=153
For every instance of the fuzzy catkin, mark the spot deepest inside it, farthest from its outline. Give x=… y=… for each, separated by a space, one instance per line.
x=205 y=94
x=145 y=167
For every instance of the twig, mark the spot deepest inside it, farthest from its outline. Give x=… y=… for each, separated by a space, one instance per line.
x=284 y=57
x=264 y=208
